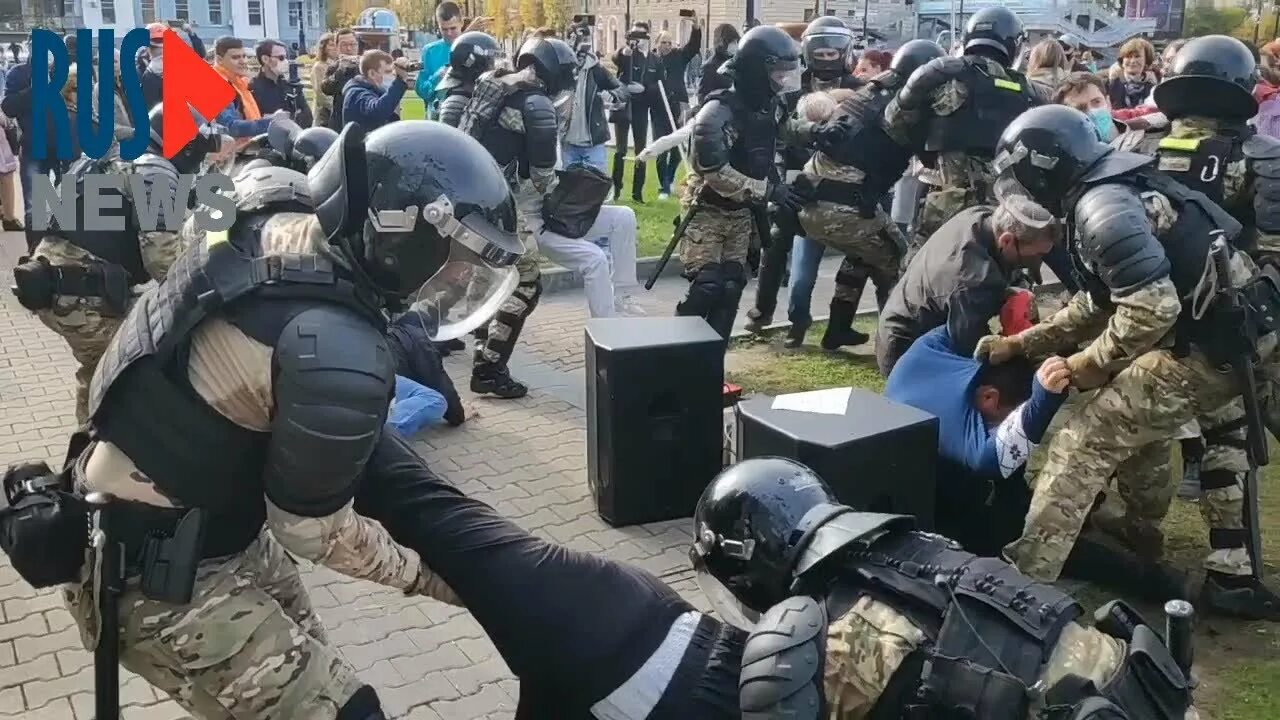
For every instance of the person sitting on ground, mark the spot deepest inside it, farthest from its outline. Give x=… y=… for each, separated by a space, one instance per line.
x=418 y=361
x=371 y=99
x=961 y=277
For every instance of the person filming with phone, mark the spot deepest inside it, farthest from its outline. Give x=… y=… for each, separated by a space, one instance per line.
x=277 y=86
x=371 y=98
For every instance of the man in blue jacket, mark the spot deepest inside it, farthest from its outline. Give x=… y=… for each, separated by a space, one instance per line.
x=371 y=98
x=435 y=54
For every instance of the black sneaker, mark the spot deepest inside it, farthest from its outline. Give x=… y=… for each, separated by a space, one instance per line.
x=757 y=321
x=836 y=339
x=1240 y=596
x=11 y=225
x=497 y=381
x=795 y=335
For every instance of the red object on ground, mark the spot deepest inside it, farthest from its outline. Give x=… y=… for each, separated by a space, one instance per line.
x=732 y=394
x=1015 y=314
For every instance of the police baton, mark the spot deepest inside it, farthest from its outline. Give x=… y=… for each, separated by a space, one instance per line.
x=108 y=586
x=671 y=246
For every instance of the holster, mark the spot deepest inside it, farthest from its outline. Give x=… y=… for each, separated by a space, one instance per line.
x=37 y=284
x=44 y=529
x=1147 y=685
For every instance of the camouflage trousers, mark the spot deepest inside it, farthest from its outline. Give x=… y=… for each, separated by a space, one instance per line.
x=496 y=341
x=1125 y=431
x=939 y=206
x=868 y=644
x=87 y=327
x=872 y=247
x=248 y=646
x=716 y=235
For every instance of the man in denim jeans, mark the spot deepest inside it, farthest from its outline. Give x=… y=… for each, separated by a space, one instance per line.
x=588 y=128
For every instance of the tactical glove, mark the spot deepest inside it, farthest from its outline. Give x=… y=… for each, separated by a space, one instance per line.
x=786 y=196
x=1084 y=374
x=996 y=349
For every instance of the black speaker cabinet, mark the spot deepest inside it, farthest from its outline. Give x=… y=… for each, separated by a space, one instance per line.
x=876 y=454
x=655 y=419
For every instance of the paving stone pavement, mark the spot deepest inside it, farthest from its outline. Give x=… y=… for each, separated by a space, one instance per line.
x=428 y=661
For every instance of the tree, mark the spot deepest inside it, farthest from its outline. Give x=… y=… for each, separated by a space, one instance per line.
x=1214 y=21
x=555 y=14
x=530 y=14
x=413 y=14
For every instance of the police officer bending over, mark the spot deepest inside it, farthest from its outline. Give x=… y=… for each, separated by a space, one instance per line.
x=471 y=55
x=911 y=621
x=953 y=111
x=80 y=282
x=267 y=344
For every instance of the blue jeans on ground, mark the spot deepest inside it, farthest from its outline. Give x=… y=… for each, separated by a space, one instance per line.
x=806 y=255
x=593 y=155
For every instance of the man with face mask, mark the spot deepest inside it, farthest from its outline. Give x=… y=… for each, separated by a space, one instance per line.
x=241 y=118
x=724 y=45
x=734 y=138
x=639 y=70
x=953 y=110
x=271 y=87
x=81 y=283
x=373 y=98
x=1087 y=93
x=963 y=275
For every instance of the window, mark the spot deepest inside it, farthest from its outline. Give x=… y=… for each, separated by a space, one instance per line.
x=295 y=13
x=181 y=11
x=313 y=14
x=109 y=11
x=148 y=11
x=215 y=12
x=255 y=13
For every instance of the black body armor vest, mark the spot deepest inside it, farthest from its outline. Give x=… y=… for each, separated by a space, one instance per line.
x=968 y=607
x=975 y=127
x=506 y=145
x=457 y=92
x=118 y=247
x=867 y=146
x=143 y=402
x=752 y=153
x=1199 y=164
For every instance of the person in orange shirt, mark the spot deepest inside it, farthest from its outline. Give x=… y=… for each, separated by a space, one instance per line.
x=241 y=118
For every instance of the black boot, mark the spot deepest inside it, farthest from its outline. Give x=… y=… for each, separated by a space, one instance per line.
x=1240 y=596
x=840 y=332
x=795 y=335
x=758 y=320
x=497 y=381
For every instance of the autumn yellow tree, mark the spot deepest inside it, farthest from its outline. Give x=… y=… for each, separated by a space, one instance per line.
x=530 y=14
x=555 y=14
x=497 y=9
x=413 y=14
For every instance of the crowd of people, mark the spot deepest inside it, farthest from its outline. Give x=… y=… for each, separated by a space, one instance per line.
x=366 y=246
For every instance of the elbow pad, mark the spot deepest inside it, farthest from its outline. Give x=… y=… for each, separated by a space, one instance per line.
x=1115 y=239
x=710 y=136
x=334 y=380
x=540 y=129
x=915 y=93
x=451 y=110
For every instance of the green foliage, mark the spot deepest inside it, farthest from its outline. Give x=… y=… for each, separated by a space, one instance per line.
x=1214 y=21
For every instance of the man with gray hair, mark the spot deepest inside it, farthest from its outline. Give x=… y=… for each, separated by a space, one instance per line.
x=962 y=276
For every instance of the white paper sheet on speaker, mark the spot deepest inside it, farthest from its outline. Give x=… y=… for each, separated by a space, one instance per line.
x=824 y=402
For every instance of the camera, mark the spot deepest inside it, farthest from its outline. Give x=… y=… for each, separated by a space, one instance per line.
x=415 y=66
x=294 y=79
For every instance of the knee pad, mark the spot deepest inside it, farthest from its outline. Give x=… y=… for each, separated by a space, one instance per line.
x=363 y=705
x=704 y=292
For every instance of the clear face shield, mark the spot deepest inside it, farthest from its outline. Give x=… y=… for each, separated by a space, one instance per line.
x=473 y=282
x=727 y=606
x=784 y=77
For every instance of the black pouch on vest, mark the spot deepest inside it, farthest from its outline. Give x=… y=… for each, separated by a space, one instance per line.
x=44 y=531
x=34 y=284
x=115 y=288
x=573 y=206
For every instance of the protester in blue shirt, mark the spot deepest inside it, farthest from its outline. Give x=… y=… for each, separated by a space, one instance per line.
x=990 y=417
x=435 y=54
x=415 y=407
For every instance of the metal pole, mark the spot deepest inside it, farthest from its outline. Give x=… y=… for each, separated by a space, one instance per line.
x=1257 y=24
x=1275 y=27
x=866 y=9
x=627 y=19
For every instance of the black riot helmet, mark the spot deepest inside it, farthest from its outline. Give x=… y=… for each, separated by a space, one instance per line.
x=998 y=29
x=1211 y=76
x=310 y=145
x=420 y=210
x=1044 y=152
x=760 y=526
x=826 y=44
x=554 y=62
x=767 y=64
x=914 y=54
x=474 y=53
x=188 y=159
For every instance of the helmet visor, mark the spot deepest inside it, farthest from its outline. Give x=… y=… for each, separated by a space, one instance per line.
x=825 y=46
x=463 y=294
x=784 y=77
x=729 y=608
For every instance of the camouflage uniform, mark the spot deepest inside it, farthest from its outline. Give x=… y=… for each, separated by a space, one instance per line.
x=248 y=645
x=868 y=643
x=86 y=323
x=716 y=235
x=1152 y=395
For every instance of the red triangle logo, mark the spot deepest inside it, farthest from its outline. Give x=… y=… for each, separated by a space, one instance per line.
x=189 y=83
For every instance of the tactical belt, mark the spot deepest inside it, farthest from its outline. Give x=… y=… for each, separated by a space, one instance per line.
x=139 y=526
x=843 y=193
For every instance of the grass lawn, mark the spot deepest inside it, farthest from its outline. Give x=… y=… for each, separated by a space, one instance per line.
x=1237 y=663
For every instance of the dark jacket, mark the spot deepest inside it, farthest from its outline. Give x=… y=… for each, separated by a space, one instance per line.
x=1125 y=94
x=645 y=69
x=17 y=105
x=370 y=106
x=272 y=95
x=417 y=359
x=957 y=280
x=599 y=80
x=152 y=88
x=711 y=79
x=674 y=64
x=340 y=73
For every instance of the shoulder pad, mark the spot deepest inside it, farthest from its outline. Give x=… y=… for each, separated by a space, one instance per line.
x=1129 y=140
x=1115 y=238
x=929 y=77
x=154 y=162
x=1261 y=147
x=782 y=662
x=261 y=187
x=448 y=82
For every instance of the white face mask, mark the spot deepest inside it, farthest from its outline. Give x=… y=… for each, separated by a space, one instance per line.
x=156 y=65
x=282 y=67
x=733 y=48
x=387 y=80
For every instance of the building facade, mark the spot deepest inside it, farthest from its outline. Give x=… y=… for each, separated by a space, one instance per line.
x=286 y=20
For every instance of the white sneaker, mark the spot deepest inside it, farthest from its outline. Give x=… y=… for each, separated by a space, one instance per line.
x=663 y=196
x=628 y=306
x=613 y=195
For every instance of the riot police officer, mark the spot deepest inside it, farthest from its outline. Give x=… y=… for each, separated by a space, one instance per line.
x=855 y=165
x=853 y=615
x=825 y=46
x=734 y=138
x=1141 y=243
x=268 y=343
x=953 y=111
x=472 y=54
x=527 y=149
x=80 y=283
